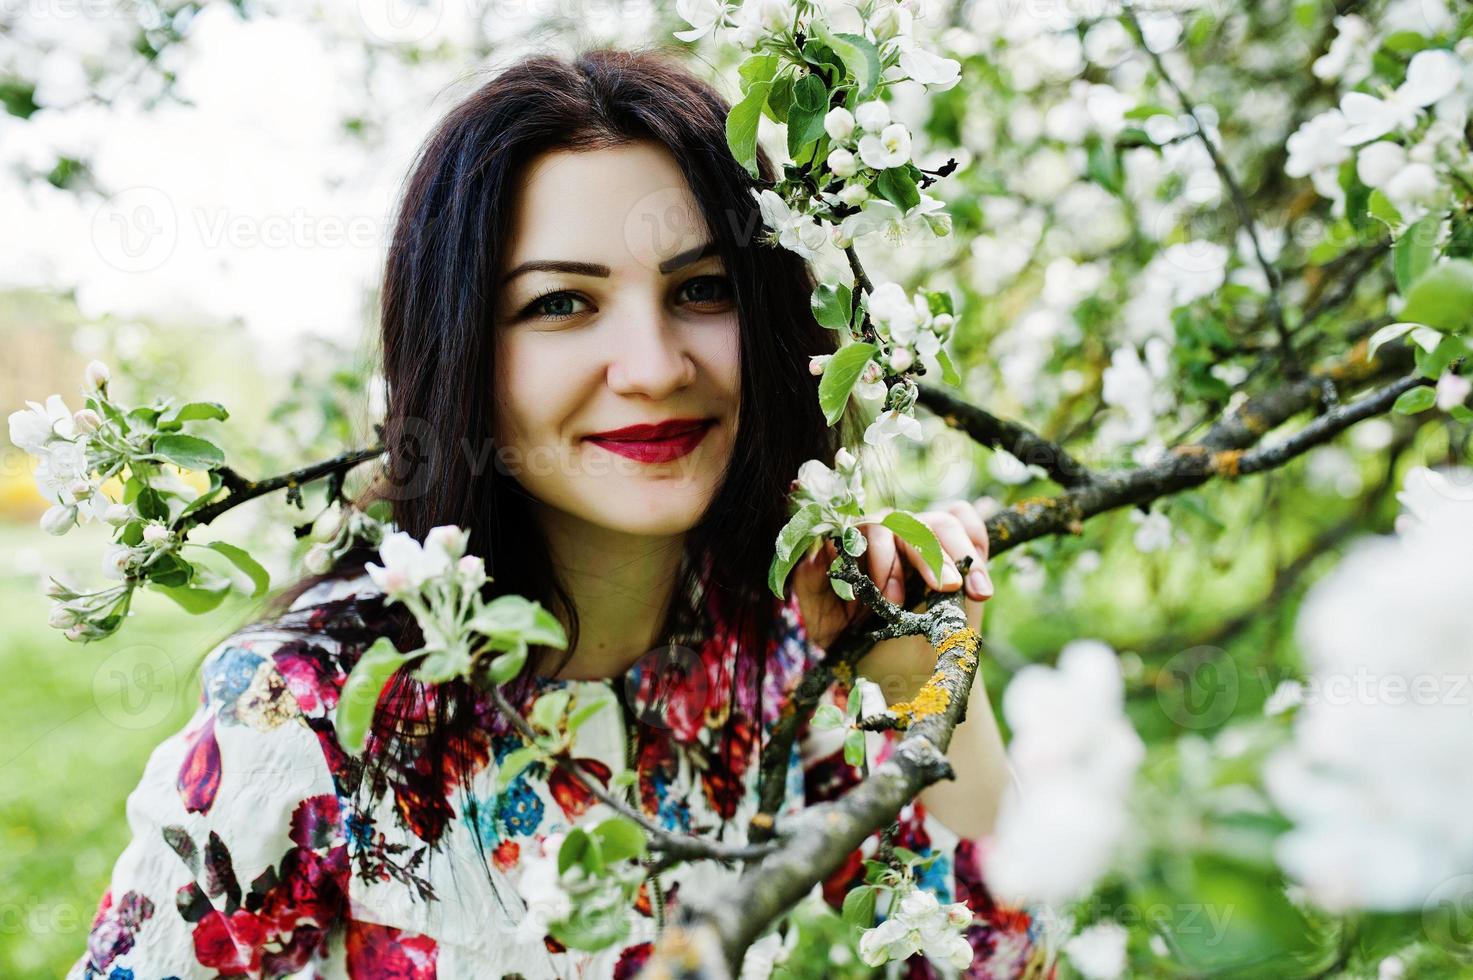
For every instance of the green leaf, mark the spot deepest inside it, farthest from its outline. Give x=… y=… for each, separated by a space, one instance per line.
x=757 y=68
x=1442 y=297
x=196 y=597
x=354 y=715
x=170 y=570
x=188 y=452
x=859 y=54
x=741 y=126
x=150 y=504
x=827 y=716
x=939 y=301
x=513 y=618
x=1444 y=350
x=549 y=709
x=949 y=373
x=585 y=712
x=805 y=118
x=575 y=850
x=619 y=839
x=898 y=187
x=241 y=559
x=1416 y=400
x=833 y=306
x=914 y=532
x=1103 y=167
x=791 y=542
x=780 y=98
x=842 y=589
x=840 y=376
x=854 y=747
x=512 y=765
x=798 y=529
x=859 y=907
x=855 y=543
x=507 y=665
x=192 y=412
x=1379 y=206
x=1385 y=335
x=1414 y=251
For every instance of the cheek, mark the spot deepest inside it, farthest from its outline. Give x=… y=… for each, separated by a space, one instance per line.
x=722 y=355
x=529 y=379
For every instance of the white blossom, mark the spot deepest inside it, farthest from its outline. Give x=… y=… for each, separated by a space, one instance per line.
x=872 y=116
x=704 y=16
x=96 y=375
x=893 y=424
x=1431 y=75
x=843 y=163
x=31 y=429
x=1452 y=390
x=1375 y=777
x=795 y=231
x=1315 y=146
x=918 y=923
x=890 y=148
x=932 y=70
x=408 y=565
x=839 y=124
x=1349 y=57
x=1075 y=755
x=1098 y=952
x=1153 y=531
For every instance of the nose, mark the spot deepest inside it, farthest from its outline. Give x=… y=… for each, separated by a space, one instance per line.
x=648 y=355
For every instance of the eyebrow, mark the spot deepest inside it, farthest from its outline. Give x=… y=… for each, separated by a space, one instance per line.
x=685 y=258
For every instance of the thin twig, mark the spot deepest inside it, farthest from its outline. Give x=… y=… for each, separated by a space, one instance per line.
x=1235 y=191
x=988 y=430
x=242 y=489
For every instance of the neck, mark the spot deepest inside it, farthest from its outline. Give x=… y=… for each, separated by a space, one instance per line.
x=621 y=584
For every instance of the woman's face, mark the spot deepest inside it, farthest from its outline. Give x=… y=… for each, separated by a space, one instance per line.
x=609 y=316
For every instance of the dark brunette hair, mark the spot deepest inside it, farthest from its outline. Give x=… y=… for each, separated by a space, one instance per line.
x=439 y=293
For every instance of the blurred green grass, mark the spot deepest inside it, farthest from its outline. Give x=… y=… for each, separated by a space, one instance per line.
x=77 y=724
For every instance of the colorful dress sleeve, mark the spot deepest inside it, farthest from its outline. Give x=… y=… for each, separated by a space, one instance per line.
x=1006 y=942
x=236 y=864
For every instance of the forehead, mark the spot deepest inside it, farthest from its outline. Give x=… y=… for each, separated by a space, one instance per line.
x=618 y=206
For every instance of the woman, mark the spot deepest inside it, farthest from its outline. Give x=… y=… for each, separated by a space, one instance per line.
x=577 y=256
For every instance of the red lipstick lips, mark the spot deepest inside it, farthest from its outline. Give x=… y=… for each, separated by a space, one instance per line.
x=656 y=443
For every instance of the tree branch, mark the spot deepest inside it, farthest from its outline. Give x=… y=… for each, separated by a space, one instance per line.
x=996 y=433
x=242 y=489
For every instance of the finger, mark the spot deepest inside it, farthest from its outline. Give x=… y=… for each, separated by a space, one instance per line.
x=956 y=545
x=884 y=562
x=979 y=580
x=971 y=520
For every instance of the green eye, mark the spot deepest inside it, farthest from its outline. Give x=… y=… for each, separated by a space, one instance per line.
x=554 y=305
x=708 y=289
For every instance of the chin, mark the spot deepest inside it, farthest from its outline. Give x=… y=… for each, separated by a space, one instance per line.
x=655 y=510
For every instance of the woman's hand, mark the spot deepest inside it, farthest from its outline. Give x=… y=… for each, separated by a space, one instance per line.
x=958 y=525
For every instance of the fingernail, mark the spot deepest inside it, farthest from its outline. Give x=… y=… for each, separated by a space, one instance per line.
x=950 y=576
x=979 y=583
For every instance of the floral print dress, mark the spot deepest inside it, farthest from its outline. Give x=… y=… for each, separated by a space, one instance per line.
x=252 y=857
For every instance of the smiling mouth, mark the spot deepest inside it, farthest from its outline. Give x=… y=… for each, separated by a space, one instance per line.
x=648 y=450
